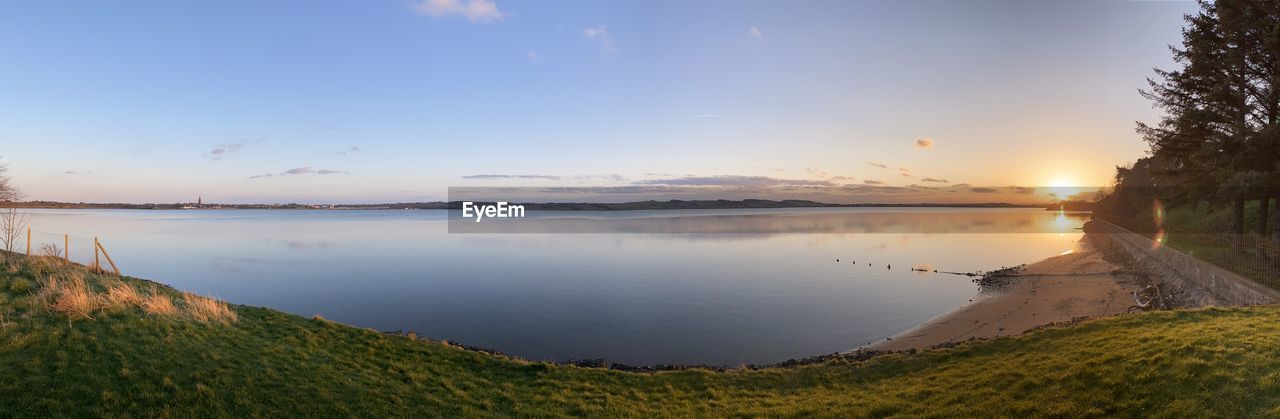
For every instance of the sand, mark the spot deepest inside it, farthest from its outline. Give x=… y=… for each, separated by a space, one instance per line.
x=1057 y=289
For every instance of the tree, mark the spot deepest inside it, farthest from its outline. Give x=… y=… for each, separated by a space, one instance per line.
x=8 y=193
x=12 y=222
x=1218 y=138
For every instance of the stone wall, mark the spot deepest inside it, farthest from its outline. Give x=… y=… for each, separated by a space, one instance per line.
x=1199 y=283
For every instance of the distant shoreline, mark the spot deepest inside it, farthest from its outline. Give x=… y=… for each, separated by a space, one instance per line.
x=545 y=206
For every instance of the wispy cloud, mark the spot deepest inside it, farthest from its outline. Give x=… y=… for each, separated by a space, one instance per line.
x=353 y=149
x=756 y=34
x=872 y=182
x=305 y=170
x=533 y=56
x=924 y=143
x=476 y=11
x=734 y=180
x=505 y=177
x=903 y=171
x=612 y=177
x=880 y=165
x=230 y=147
x=983 y=190
x=929 y=179
x=601 y=37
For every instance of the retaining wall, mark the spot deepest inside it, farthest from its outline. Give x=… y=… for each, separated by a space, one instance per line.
x=1198 y=282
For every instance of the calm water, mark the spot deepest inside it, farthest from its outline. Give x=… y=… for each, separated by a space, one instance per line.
x=699 y=286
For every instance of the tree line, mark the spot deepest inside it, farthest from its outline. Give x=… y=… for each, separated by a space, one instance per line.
x=1217 y=140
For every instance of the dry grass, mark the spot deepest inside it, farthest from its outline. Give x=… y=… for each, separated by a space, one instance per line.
x=206 y=309
x=121 y=295
x=159 y=304
x=74 y=298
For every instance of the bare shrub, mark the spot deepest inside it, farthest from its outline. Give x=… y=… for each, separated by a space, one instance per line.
x=12 y=226
x=51 y=250
x=206 y=309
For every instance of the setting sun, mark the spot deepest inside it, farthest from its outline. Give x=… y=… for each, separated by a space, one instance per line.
x=1062 y=182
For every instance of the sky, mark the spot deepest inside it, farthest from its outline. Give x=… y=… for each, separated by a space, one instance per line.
x=330 y=101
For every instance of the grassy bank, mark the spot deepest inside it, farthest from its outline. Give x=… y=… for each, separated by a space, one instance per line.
x=122 y=358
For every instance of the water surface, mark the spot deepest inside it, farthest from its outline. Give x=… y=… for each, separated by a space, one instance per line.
x=722 y=287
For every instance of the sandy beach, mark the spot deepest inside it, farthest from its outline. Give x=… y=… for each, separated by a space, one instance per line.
x=1058 y=289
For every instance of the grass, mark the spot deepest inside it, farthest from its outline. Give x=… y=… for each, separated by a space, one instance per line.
x=127 y=361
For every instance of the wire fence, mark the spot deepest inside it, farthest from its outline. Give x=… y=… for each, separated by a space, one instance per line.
x=1252 y=255
x=87 y=251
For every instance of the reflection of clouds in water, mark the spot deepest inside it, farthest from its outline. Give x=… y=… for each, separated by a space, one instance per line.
x=235 y=265
x=300 y=245
x=226 y=266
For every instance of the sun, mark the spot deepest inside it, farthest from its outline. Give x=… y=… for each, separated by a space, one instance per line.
x=1062 y=182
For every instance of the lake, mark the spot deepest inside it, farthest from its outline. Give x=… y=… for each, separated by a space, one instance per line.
x=721 y=287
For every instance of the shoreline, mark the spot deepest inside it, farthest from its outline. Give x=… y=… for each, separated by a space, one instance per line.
x=1059 y=289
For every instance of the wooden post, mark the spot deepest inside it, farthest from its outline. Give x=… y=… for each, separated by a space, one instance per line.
x=28 y=241
x=108 y=255
x=97 y=267
x=66 y=247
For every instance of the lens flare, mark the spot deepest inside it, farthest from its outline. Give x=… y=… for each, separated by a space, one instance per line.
x=1157 y=212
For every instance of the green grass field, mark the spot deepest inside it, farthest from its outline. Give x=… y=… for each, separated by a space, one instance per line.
x=124 y=360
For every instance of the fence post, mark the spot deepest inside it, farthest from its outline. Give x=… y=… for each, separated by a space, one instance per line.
x=96 y=266
x=66 y=247
x=28 y=241
x=108 y=256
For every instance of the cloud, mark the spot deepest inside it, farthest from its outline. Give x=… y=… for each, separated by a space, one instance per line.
x=983 y=190
x=872 y=182
x=613 y=177
x=534 y=57
x=929 y=179
x=76 y=172
x=353 y=149
x=1024 y=190
x=880 y=165
x=755 y=33
x=924 y=143
x=502 y=177
x=230 y=147
x=848 y=178
x=601 y=36
x=305 y=170
x=476 y=11
x=818 y=172
x=734 y=180
x=903 y=171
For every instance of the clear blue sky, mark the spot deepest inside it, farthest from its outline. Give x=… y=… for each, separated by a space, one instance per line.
x=370 y=101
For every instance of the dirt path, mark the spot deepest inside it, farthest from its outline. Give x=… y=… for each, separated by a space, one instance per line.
x=1057 y=289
